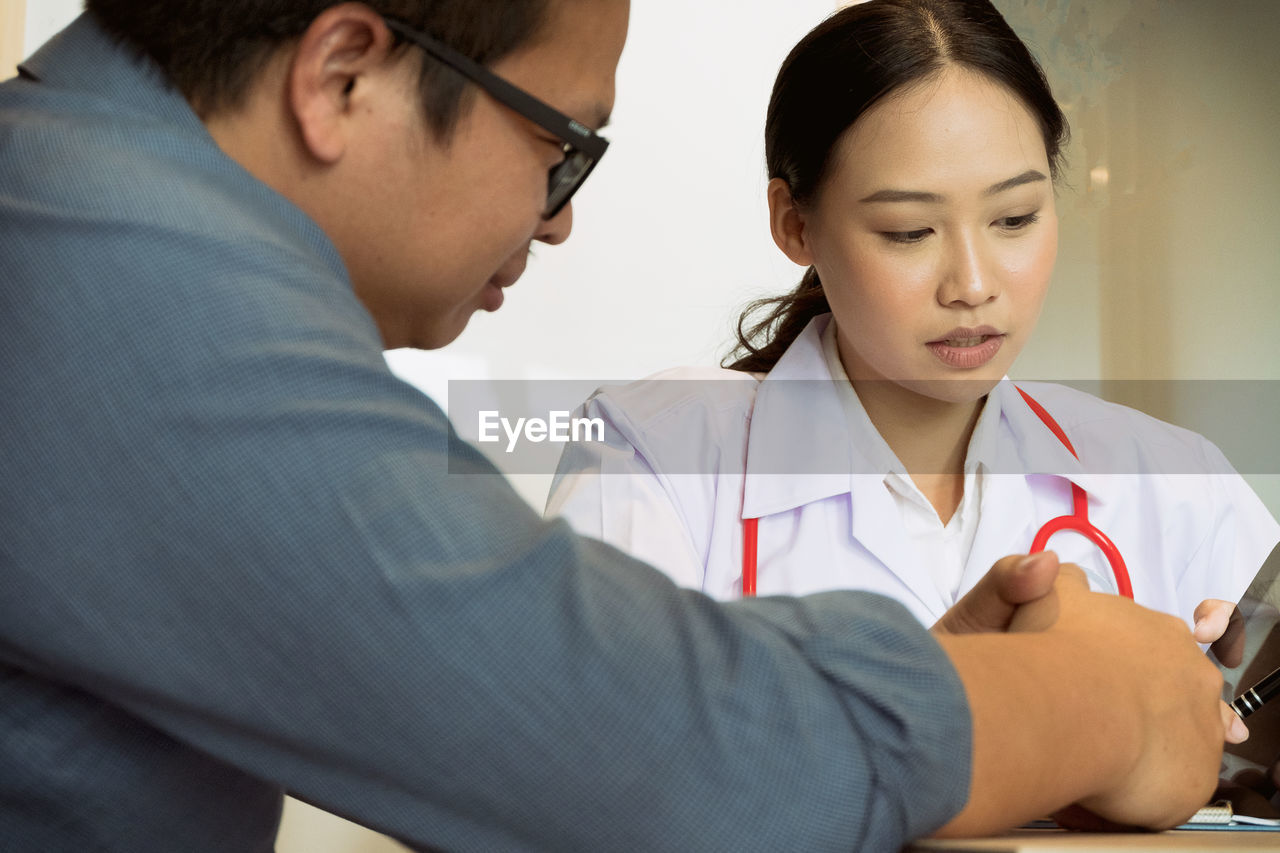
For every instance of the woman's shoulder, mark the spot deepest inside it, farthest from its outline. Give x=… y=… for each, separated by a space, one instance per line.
x=679 y=398
x=1112 y=437
x=684 y=420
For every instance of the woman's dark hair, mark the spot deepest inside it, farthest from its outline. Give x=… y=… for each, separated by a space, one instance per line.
x=835 y=74
x=210 y=50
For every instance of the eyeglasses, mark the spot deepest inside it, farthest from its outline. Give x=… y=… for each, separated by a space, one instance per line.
x=583 y=147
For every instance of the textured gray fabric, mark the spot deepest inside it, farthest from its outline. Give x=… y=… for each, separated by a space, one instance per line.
x=233 y=562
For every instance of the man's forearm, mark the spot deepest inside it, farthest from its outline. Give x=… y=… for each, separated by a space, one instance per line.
x=1037 y=744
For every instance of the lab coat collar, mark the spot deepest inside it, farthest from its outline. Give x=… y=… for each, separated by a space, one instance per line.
x=801 y=450
x=798 y=449
x=1027 y=446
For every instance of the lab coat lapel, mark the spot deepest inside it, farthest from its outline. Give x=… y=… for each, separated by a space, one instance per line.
x=878 y=528
x=1010 y=502
x=798 y=442
x=799 y=430
x=1006 y=525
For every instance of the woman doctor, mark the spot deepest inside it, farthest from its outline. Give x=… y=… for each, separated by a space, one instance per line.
x=912 y=147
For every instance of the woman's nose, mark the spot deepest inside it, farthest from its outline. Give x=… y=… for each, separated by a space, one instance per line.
x=967 y=278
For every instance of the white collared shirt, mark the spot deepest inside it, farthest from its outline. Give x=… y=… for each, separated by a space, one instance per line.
x=689 y=453
x=942 y=547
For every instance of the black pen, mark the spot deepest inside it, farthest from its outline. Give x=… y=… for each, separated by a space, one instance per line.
x=1253 y=698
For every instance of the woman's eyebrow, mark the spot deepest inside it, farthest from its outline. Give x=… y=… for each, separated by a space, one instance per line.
x=903 y=195
x=1027 y=177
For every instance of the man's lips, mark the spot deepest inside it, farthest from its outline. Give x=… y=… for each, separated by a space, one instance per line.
x=511 y=272
x=506 y=279
x=493 y=296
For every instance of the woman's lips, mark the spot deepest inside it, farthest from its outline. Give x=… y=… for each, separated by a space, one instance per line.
x=965 y=348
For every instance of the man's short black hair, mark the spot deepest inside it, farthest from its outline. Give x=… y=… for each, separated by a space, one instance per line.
x=212 y=49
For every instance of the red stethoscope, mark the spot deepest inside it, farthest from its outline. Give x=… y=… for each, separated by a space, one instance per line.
x=1078 y=521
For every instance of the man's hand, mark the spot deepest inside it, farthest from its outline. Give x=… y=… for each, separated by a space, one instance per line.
x=1179 y=741
x=1108 y=705
x=1011 y=583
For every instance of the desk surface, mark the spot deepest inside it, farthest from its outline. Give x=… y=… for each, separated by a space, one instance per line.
x=1050 y=841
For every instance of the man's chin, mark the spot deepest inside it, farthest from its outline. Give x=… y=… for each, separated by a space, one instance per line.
x=492 y=297
x=440 y=334
x=449 y=326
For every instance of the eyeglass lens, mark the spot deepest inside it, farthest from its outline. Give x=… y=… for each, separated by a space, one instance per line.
x=564 y=180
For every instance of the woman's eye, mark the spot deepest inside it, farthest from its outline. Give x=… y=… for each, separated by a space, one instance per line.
x=1017 y=223
x=907 y=236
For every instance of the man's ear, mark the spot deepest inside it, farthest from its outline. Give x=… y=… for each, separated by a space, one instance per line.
x=787 y=223
x=344 y=44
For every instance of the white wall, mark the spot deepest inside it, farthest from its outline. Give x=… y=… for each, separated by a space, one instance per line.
x=670 y=233
x=46 y=17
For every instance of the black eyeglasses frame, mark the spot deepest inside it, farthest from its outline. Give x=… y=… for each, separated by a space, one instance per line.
x=583 y=147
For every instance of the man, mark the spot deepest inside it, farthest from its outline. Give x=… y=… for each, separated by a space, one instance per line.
x=235 y=564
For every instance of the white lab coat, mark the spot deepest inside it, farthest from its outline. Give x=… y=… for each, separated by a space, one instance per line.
x=690 y=452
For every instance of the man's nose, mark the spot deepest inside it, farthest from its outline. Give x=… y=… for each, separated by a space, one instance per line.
x=556 y=229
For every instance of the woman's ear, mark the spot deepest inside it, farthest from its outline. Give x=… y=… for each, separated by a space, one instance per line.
x=787 y=223
x=340 y=50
